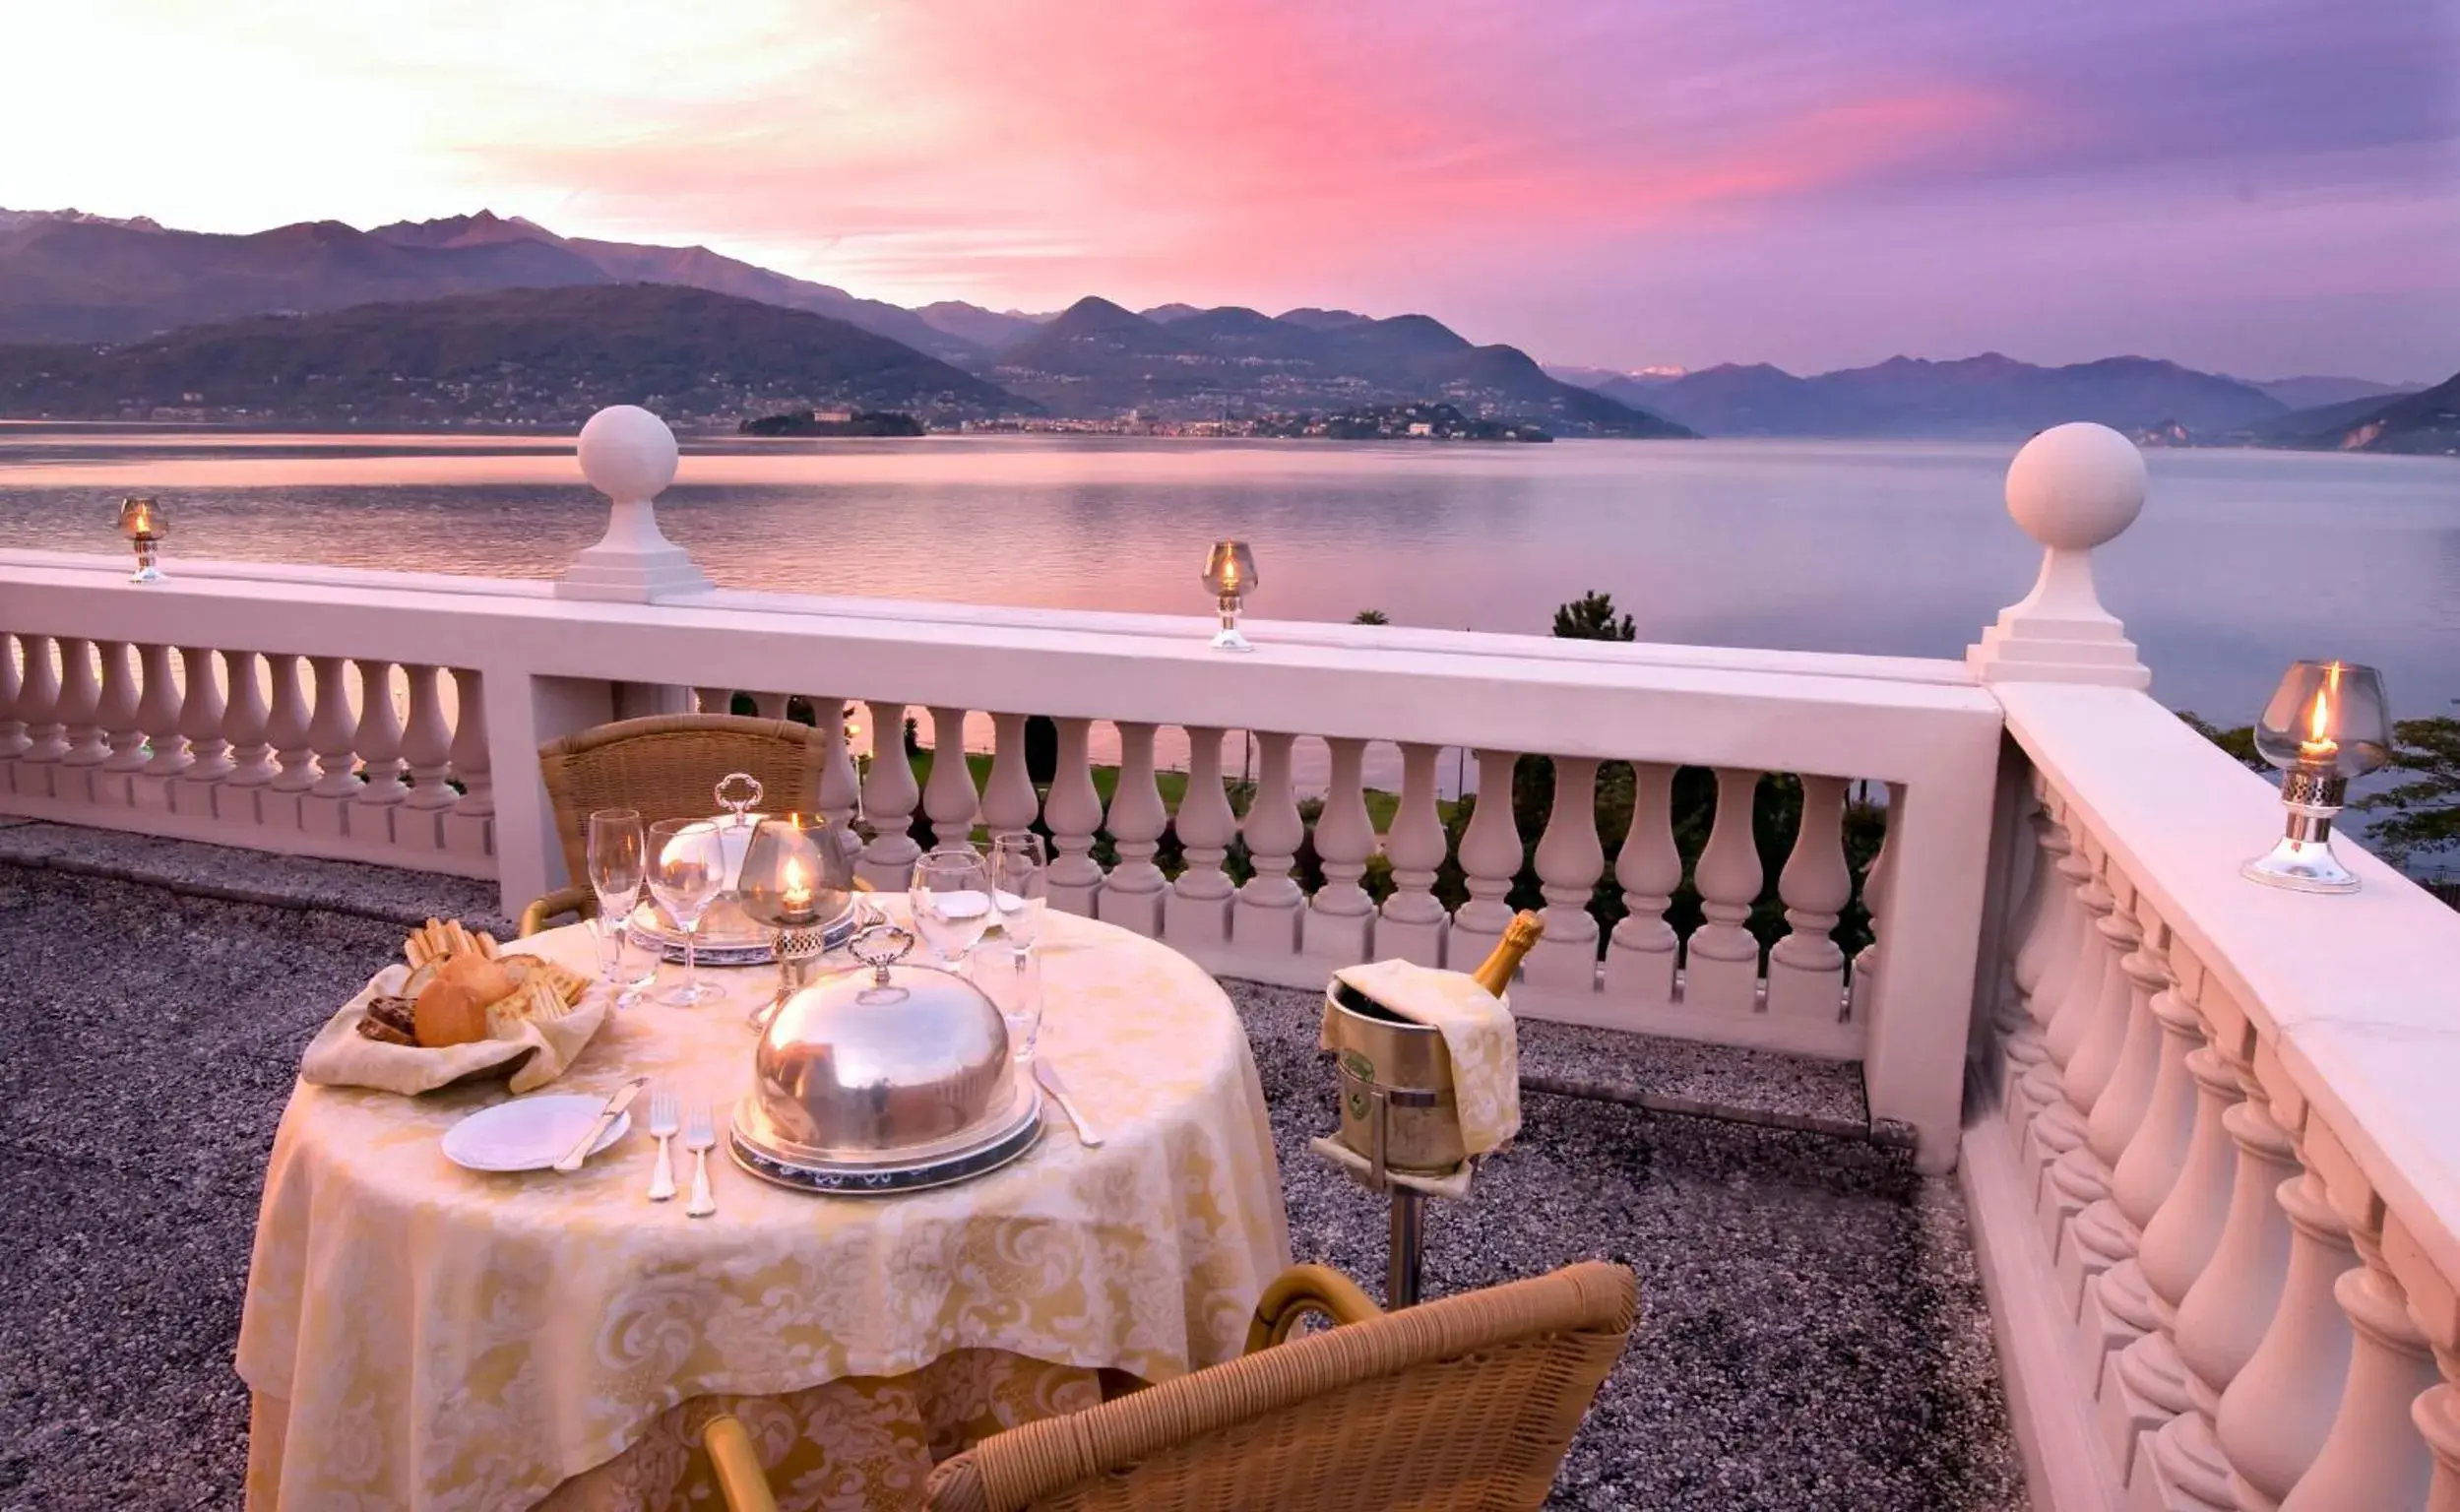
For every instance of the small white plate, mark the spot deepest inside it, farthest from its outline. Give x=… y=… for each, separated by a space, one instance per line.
x=528 y=1133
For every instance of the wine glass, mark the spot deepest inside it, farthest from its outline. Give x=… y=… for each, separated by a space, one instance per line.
x=1020 y=885
x=1015 y=984
x=617 y=867
x=951 y=898
x=687 y=870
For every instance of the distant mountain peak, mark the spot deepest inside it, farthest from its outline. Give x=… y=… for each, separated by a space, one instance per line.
x=9 y=219
x=1322 y=320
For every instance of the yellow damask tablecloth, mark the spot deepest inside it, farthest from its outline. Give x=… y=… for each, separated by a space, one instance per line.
x=418 y=1336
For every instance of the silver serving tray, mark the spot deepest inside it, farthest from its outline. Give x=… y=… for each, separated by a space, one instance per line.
x=891 y=1172
x=728 y=937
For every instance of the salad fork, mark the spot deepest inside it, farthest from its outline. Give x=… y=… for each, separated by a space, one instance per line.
x=666 y=1121
x=700 y=1136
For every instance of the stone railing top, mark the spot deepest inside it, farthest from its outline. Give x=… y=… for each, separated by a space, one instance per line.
x=2359 y=994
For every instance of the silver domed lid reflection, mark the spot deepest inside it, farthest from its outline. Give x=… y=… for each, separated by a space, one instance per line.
x=890 y=1059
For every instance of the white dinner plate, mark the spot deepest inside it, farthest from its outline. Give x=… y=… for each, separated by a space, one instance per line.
x=528 y=1133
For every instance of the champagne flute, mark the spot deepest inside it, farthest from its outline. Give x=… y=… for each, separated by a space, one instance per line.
x=618 y=865
x=687 y=870
x=1020 y=885
x=951 y=900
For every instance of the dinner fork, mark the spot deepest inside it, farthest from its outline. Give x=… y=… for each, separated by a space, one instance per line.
x=666 y=1121
x=700 y=1136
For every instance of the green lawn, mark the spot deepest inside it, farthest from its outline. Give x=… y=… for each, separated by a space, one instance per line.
x=1382 y=806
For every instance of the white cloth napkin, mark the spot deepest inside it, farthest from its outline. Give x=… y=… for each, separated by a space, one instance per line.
x=1476 y=1028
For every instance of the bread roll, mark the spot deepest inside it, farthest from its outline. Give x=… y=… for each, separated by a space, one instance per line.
x=487 y=979
x=450 y=1013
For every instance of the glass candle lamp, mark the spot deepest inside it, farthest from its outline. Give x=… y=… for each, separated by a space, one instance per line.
x=795 y=880
x=2325 y=724
x=1230 y=571
x=145 y=522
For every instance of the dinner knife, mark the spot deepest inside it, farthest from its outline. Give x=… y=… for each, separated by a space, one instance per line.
x=606 y=1115
x=1048 y=1074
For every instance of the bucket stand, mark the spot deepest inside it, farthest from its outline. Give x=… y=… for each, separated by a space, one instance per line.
x=1405 y=1243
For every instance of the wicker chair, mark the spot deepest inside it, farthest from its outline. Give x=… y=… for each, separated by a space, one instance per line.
x=667 y=767
x=1467 y=1403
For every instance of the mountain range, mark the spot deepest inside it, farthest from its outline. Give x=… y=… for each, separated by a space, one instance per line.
x=514 y=356
x=69 y=278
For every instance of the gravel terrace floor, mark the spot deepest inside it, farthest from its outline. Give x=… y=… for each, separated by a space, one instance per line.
x=1813 y=1335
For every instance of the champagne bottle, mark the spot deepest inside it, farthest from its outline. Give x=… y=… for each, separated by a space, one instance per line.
x=1495 y=974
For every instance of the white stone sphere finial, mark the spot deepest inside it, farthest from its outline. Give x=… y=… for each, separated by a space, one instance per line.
x=627 y=453
x=2073 y=487
x=2076 y=486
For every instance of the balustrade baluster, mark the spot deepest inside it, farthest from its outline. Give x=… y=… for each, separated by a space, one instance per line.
x=1009 y=801
x=889 y=797
x=252 y=757
x=1073 y=812
x=2058 y=1131
x=295 y=757
x=80 y=700
x=1807 y=968
x=1721 y=970
x=2276 y=1413
x=1197 y=916
x=770 y=705
x=1264 y=917
x=949 y=797
x=1569 y=861
x=1410 y=924
x=2049 y=948
x=117 y=714
x=2105 y=1235
x=13 y=741
x=1490 y=858
x=713 y=700
x=2080 y=1177
x=1863 y=983
x=2073 y=951
x=1340 y=917
x=2127 y=1302
x=427 y=742
x=1131 y=895
x=1640 y=953
x=329 y=730
x=2437 y=1417
x=839 y=798
x=38 y=703
x=2223 y=1315
x=157 y=711
x=202 y=711
x=468 y=828
x=378 y=739
x=2374 y=1453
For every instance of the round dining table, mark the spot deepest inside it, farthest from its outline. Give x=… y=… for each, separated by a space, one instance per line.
x=421 y=1336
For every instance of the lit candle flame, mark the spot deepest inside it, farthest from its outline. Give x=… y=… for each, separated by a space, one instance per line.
x=2319 y=744
x=796 y=887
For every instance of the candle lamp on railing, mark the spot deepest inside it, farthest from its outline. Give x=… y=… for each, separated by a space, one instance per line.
x=1230 y=571
x=145 y=522
x=796 y=881
x=2325 y=724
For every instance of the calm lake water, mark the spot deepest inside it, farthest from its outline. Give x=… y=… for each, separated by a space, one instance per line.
x=2242 y=560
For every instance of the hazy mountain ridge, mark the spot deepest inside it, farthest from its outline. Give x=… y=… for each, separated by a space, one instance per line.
x=1098 y=356
x=1987 y=397
x=528 y=356
x=2426 y=423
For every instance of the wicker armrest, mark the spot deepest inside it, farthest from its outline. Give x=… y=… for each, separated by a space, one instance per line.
x=740 y=1481
x=1303 y=1289
x=562 y=900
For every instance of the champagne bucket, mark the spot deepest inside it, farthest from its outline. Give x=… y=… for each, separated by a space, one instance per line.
x=1402 y=1066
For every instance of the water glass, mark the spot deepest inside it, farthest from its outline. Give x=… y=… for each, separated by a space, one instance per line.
x=1020 y=885
x=618 y=865
x=951 y=898
x=1014 y=981
x=687 y=870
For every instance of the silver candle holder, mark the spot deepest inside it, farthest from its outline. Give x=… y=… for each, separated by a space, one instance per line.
x=2325 y=724
x=145 y=522
x=796 y=881
x=1230 y=571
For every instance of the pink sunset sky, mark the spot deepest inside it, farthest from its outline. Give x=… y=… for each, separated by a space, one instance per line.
x=2261 y=188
